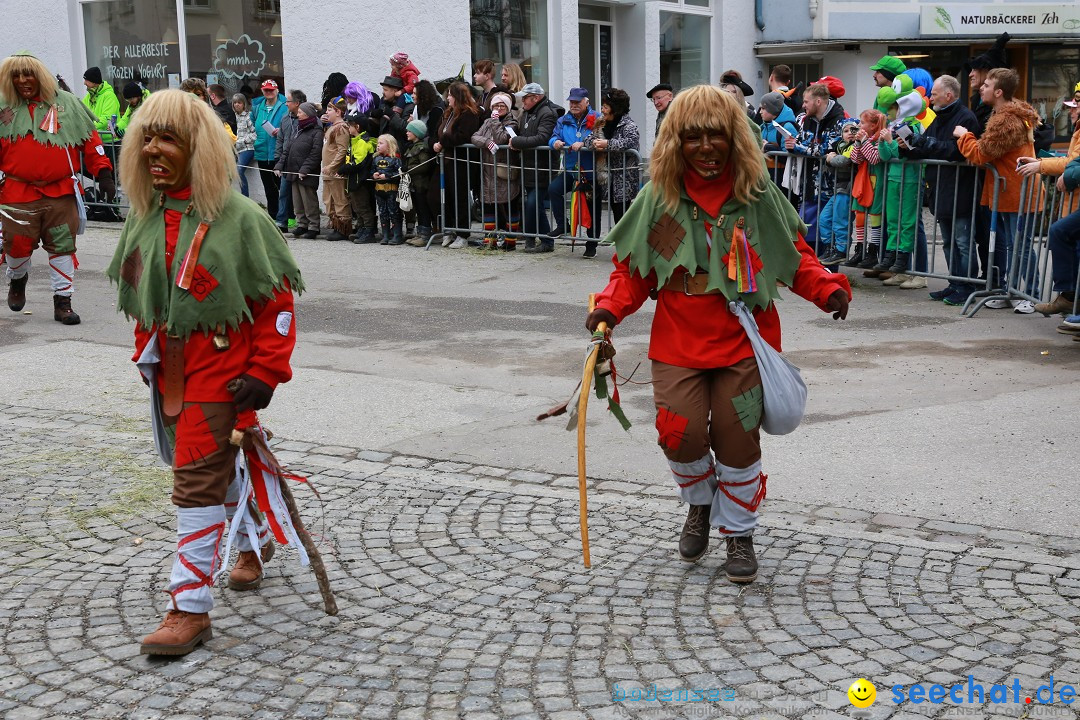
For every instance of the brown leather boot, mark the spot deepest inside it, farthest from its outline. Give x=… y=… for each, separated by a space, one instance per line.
x=179 y=633
x=16 y=294
x=62 y=311
x=741 y=566
x=247 y=574
x=695 y=533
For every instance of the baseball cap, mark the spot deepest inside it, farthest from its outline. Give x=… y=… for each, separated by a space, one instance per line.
x=577 y=93
x=1070 y=103
x=268 y=85
x=530 y=89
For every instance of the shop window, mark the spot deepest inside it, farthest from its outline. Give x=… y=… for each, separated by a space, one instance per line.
x=129 y=41
x=684 y=49
x=234 y=43
x=1054 y=72
x=511 y=31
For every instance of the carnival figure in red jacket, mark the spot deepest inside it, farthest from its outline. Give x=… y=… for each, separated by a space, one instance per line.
x=209 y=281
x=45 y=135
x=710 y=229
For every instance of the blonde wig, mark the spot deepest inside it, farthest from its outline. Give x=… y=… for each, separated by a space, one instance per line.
x=209 y=151
x=24 y=63
x=707 y=107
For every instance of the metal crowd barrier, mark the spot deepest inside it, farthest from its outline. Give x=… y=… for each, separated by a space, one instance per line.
x=934 y=255
x=1030 y=267
x=524 y=184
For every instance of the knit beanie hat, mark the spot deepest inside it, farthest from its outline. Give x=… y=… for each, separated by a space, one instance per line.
x=399 y=58
x=501 y=97
x=132 y=90
x=773 y=102
x=417 y=128
x=309 y=109
x=836 y=87
x=93 y=75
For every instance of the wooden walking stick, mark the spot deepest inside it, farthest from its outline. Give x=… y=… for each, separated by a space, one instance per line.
x=583 y=404
x=247 y=427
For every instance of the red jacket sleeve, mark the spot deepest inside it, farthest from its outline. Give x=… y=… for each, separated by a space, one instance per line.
x=815 y=283
x=273 y=337
x=94 y=156
x=625 y=292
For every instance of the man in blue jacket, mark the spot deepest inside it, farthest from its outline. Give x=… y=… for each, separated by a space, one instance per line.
x=268 y=109
x=570 y=132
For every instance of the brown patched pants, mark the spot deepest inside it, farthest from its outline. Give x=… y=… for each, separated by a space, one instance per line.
x=203 y=459
x=713 y=412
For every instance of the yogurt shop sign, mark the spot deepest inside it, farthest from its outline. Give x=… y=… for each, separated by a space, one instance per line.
x=994 y=19
x=242 y=57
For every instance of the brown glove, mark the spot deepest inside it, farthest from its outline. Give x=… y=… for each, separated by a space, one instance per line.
x=598 y=316
x=252 y=394
x=838 y=304
x=107 y=183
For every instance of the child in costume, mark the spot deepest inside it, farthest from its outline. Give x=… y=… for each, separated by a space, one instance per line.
x=903 y=190
x=868 y=191
x=709 y=229
x=386 y=172
x=209 y=281
x=836 y=215
x=357 y=171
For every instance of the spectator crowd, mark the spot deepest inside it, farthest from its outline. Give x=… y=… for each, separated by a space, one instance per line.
x=512 y=158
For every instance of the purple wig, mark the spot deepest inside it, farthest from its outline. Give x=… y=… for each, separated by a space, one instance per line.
x=358 y=93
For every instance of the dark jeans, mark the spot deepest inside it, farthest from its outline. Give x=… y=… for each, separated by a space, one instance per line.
x=956 y=242
x=536 y=221
x=1065 y=252
x=271 y=186
x=285 y=207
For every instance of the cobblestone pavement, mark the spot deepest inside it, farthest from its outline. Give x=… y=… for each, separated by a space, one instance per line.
x=462 y=594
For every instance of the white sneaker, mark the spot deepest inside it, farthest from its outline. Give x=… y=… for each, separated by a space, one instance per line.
x=998 y=304
x=458 y=244
x=916 y=282
x=1024 y=307
x=447 y=240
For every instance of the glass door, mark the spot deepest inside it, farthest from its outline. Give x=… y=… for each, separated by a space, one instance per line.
x=595 y=50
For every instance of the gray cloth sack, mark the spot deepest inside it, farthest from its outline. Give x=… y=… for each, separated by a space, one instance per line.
x=783 y=389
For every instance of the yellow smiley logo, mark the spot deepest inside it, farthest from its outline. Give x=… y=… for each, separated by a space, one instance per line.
x=862 y=693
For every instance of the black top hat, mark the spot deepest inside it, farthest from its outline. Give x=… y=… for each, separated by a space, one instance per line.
x=995 y=57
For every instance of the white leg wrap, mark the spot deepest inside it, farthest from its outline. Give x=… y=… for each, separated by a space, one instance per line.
x=16 y=267
x=696 y=481
x=198 y=533
x=62 y=273
x=741 y=491
x=248 y=527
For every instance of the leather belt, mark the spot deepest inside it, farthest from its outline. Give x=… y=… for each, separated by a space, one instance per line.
x=173 y=357
x=688 y=284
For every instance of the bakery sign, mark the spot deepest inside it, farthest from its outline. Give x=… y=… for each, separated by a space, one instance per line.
x=989 y=20
x=239 y=58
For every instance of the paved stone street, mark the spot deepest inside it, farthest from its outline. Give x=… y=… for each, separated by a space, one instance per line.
x=462 y=594
x=920 y=527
